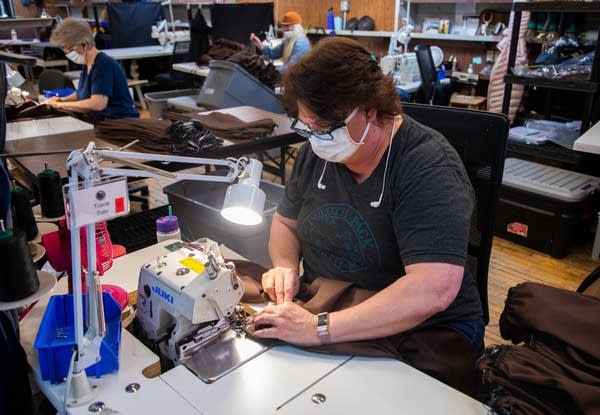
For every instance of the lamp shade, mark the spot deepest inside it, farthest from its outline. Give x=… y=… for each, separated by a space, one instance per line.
x=244 y=204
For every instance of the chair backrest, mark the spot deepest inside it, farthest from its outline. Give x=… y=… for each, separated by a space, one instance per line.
x=427 y=70
x=181 y=51
x=479 y=138
x=51 y=79
x=432 y=91
x=130 y=23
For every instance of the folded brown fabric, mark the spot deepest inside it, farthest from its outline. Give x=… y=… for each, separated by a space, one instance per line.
x=157 y=136
x=229 y=126
x=31 y=110
x=557 y=369
x=542 y=377
x=570 y=317
x=440 y=352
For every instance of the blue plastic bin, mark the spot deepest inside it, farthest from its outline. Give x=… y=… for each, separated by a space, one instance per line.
x=55 y=339
x=58 y=92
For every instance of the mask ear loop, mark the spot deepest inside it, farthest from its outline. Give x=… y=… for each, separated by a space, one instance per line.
x=320 y=184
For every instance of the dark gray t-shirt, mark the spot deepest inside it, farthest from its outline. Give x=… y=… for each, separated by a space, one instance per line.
x=424 y=216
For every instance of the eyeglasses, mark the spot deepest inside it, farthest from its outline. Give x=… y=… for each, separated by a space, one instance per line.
x=71 y=49
x=302 y=129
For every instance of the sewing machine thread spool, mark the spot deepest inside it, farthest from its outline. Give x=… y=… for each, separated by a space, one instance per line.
x=50 y=189
x=18 y=277
x=23 y=214
x=167 y=227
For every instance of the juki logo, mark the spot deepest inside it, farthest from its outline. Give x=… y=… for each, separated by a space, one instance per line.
x=163 y=293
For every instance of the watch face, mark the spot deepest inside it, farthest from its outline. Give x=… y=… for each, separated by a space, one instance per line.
x=322 y=323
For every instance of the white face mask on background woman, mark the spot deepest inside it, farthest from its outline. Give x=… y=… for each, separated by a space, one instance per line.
x=75 y=57
x=337 y=146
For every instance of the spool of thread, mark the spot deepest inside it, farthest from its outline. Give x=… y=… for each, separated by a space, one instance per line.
x=18 y=278
x=51 y=197
x=167 y=227
x=23 y=214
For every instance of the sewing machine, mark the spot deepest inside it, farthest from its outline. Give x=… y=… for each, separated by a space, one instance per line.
x=188 y=309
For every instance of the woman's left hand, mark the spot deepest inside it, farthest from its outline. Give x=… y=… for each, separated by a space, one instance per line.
x=288 y=322
x=53 y=102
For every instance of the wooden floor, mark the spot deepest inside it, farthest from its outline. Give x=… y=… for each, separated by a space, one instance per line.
x=510 y=264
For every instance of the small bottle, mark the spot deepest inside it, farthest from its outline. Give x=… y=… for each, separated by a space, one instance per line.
x=330 y=19
x=13 y=35
x=470 y=68
x=167 y=227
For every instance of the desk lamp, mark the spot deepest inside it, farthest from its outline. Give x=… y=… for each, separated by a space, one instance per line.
x=95 y=194
x=401 y=36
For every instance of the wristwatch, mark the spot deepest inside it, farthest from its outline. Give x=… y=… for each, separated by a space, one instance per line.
x=322 y=324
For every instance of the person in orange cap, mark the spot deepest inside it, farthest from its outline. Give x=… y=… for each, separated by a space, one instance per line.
x=294 y=44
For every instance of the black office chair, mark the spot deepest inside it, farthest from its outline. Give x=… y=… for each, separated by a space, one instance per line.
x=51 y=79
x=479 y=138
x=431 y=90
x=175 y=79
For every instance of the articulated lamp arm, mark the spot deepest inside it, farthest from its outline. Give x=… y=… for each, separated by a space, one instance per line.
x=87 y=179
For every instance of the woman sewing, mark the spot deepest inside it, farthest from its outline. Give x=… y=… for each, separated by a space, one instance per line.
x=102 y=91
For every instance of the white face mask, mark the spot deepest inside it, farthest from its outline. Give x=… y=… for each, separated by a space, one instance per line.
x=288 y=34
x=75 y=57
x=340 y=146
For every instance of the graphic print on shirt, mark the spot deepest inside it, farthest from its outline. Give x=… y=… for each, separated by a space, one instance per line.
x=342 y=237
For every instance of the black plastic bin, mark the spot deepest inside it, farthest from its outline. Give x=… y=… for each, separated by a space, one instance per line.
x=545 y=208
x=197 y=206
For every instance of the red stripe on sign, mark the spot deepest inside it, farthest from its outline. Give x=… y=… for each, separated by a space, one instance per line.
x=119 y=204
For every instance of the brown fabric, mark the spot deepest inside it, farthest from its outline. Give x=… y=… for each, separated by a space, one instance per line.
x=591 y=284
x=572 y=318
x=229 y=126
x=440 y=352
x=153 y=135
x=244 y=55
x=31 y=110
x=558 y=370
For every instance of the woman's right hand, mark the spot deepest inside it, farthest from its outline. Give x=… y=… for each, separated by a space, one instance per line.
x=281 y=284
x=255 y=41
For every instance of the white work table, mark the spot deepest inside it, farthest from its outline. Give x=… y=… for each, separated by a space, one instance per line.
x=282 y=380
x=589 y=141
x=139 y=52
x=19 y=130
x=192 y=68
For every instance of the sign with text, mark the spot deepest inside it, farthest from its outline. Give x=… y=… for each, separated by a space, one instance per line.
x=101 y=202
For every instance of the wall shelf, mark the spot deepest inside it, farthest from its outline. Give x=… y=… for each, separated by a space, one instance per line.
x=563 y=84
x=21 y=22
x=433 y=36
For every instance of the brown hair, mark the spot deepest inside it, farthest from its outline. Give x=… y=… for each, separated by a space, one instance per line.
x=334 y=78
x=71 y=32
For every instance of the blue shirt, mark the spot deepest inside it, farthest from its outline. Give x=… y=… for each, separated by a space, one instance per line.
x=107 y=78
x=301 y=46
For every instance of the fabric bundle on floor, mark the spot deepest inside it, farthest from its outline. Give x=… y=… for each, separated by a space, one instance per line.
x=556 y=369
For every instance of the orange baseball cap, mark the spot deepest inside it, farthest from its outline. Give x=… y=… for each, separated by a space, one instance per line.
x=291 y=18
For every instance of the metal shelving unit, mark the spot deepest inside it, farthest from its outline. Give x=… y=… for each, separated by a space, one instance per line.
x=589 y=88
